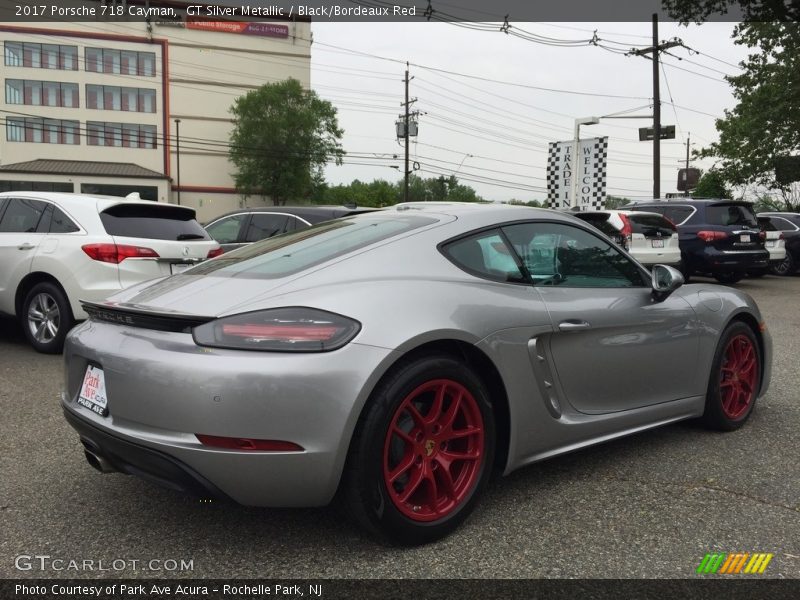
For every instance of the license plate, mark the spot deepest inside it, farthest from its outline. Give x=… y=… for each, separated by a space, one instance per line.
x=769 y=243
x=179 y=267
x=93 y=391
x=744 y=238
x=658 y=243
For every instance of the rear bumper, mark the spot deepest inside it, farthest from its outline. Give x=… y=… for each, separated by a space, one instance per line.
x=134 y=459
x=712 y=260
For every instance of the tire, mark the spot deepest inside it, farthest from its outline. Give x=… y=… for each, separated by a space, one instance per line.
x=685 y=271
x=46 y=317
x=413 y=473
x=735 y=379
x=786 y=267
x=728 y=277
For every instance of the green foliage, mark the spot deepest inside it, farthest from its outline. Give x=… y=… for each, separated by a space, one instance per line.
x=615 y=202
x=384 y=193
x=712 y=185
x=765 y=123
x=531 y=203
x=282 y=137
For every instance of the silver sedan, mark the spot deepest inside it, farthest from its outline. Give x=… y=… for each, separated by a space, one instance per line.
x=397 y=359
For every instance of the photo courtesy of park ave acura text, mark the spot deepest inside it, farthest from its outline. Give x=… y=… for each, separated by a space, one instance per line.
x=360 y=298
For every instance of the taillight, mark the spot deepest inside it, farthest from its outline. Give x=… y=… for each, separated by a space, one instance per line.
x=116 y=253
x=762 y=235
x=627 y=228
x=251 y=444
x=780 y=236
x=295 y=329
x=710 y=236
x=214 y=253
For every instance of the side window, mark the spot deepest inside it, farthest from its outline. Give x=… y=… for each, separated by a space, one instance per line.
x=226 y=231
x=61 y=223
x=264 y=225
x=782 y=224
x=567 y=256
x=44 y=222
x=678 y=214
x=22 y=215
x=485 y=255
x=295 y=224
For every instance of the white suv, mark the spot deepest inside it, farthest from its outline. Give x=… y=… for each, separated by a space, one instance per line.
x=649 y=237
x=58 y=249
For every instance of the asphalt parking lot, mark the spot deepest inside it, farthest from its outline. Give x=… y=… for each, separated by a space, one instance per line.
x=651 y=505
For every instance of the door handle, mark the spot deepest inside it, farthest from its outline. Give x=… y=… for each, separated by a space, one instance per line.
x=26 y=246
x=573 y=325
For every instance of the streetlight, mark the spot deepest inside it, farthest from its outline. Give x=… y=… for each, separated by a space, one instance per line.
x=576 y=144
x=178 y=155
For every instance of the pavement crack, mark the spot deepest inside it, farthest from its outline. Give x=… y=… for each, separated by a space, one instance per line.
x=693 y=485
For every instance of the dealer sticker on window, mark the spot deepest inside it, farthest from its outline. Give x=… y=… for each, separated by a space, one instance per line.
x=93 y=391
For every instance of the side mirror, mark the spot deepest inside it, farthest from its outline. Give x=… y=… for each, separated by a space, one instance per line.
x=665 y=281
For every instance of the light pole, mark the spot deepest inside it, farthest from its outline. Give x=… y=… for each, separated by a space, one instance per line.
x=576 y=148
x=178 y=155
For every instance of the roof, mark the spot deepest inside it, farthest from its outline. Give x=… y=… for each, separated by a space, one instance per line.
x=82 y=167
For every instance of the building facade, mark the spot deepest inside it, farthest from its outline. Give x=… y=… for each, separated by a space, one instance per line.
x=113 y=108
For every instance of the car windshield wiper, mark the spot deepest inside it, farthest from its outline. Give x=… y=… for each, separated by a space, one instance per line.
x=190 y=236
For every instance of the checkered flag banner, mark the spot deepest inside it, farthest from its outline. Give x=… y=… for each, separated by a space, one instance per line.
x=590 y=168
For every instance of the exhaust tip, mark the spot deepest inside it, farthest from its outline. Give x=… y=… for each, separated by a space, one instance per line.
x=98 y=462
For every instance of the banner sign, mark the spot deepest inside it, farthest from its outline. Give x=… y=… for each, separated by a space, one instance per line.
x=590 y=168
x=246 y=28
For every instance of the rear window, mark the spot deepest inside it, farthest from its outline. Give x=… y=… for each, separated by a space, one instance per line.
x=293 y=252
x=731 y=214
x=153 y=222
x=766 y=224
x=599 y=221
x=677 y=214
x=651 y=225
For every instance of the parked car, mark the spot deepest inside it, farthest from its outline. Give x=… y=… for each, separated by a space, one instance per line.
x=649 y=237
x=720 y=238
x=247 y=225
x=775 y=244
x=383 y=357
x=788 y=224
x=58 y=249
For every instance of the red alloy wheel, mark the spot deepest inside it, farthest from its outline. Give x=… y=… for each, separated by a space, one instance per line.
x=738 y=377
x=433 y=450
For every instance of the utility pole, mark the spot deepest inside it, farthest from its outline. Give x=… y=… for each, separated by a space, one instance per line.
x=655 y=49
x=407 y=105
x=688 y=136
x=178 y=155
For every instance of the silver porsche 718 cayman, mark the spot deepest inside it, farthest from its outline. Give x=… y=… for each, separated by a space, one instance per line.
x=400 y=357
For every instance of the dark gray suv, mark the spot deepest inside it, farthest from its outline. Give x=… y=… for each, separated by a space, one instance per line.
x=718 y=237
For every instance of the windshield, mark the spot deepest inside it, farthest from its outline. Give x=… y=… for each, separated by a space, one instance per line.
x=293 y=252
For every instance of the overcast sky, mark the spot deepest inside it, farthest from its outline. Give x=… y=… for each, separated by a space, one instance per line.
x=465 y=116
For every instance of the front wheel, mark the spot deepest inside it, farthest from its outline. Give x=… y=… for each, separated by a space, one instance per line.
x=46 y=317
x=422 y=453
x=735 y=379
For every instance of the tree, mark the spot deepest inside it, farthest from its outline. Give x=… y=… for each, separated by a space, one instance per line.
x=615 y=202
x=282 y=137
x=765 y=123
x=712 y=185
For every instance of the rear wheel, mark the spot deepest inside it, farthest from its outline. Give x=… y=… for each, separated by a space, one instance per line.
x=46 y=317
x=728 y=277
x=422 y=453
x=786 y=267
x=735 y=379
